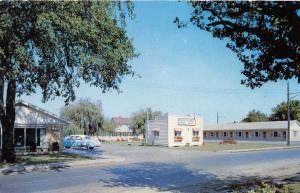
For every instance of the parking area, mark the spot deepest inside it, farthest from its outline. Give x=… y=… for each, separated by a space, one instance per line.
x=156 y=169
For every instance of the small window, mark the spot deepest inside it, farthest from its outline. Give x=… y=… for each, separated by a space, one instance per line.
x=225 y=134
x=275 y=134
x=177 y=133
x=156 y=133
x=217 y=134
x=240 y=134
x=231 y=134
x=256 y=133
x=295 y=133
x=211 y=134
x=195 y=133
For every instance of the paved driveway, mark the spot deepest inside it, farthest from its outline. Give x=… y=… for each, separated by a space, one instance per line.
x=151 y=169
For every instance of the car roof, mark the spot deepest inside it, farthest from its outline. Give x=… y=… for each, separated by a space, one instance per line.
x=79 y=135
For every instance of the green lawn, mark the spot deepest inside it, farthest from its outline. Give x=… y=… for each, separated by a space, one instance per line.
x=214 y=146
x=46 y=158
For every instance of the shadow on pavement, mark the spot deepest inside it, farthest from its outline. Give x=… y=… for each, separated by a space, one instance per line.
x=170 y=177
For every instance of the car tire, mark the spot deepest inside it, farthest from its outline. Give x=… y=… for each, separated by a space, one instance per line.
x=91 y=147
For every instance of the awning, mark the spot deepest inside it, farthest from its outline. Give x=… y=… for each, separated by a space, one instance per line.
x=155 y=129
x=177 y=129
x=195 y=129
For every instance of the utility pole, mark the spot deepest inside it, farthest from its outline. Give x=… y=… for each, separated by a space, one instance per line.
x=217 y=117
x=288 y=114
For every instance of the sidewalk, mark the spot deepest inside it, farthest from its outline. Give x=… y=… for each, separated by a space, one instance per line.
x=23 y=168
x=259 y=149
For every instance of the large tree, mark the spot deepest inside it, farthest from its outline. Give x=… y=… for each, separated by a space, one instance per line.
x=53 y=46
x=263 y=34
x=279 y=113
x=85 y=116
x=255 y=116
x=139 y=119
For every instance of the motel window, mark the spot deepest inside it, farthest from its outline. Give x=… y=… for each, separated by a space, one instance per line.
x=247 y=134
x=19 y=137
x=284 y=134
x=41 y=137
x=156 y=134
x=225 y=134
x=177 y=133
x=231 y=134
x=275 y=134
x=295 y=133
x=195 y=133
x=211 y=134
x=240 y=134
x=256 y=133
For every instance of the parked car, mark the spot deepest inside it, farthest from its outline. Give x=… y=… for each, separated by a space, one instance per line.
x=81 y=141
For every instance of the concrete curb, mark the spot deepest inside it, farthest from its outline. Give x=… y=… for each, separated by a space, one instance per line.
x=23 y=168
x=258 y=149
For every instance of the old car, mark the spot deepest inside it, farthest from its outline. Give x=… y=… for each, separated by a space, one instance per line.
x=83 y=141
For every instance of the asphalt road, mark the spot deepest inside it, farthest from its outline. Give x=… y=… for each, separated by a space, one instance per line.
x=151 y=169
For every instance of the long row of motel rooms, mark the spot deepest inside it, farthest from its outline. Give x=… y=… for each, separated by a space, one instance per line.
x=189 y=130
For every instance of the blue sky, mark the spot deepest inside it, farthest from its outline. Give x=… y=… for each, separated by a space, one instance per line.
x=183 y=71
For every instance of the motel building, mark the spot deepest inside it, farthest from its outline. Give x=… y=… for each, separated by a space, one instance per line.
x=172 y=131
x=271 y=131
x=35 y=126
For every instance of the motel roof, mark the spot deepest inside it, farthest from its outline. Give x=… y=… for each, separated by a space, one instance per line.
x=250 y=125
x=121 y=120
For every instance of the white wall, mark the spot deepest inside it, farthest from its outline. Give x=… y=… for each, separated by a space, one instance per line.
x=186 y=131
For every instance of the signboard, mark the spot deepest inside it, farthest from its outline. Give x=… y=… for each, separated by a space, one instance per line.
x=187 y=121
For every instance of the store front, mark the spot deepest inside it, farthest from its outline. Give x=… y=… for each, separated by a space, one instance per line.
x=35 y=128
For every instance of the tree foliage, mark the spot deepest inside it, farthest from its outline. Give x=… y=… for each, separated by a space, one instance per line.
x=85 y=116
x=52 y=46
x=263 y=34
x=139 y=119
x=255 y=116
x=279 y=113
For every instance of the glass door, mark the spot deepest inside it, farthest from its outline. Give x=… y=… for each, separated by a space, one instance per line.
x=30 y=137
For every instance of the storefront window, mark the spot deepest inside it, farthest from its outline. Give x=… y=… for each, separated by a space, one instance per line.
x=41 y=137
x=19 y=137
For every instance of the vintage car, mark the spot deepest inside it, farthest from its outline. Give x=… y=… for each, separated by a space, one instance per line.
x=84 y=141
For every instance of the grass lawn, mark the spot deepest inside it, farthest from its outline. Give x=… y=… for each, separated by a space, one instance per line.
x=46 y=158
x=294 y=187
x=214 y=146
x=265 y=187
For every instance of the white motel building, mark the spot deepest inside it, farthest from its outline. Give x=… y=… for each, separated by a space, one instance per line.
x=271 y=131
x=34 y=125
x=172 y=131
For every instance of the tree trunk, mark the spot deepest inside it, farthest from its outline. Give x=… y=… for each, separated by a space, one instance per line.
x=7 y=122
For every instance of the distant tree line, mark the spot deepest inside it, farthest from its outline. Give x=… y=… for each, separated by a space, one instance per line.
x=86 y=117
x=279 y=113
